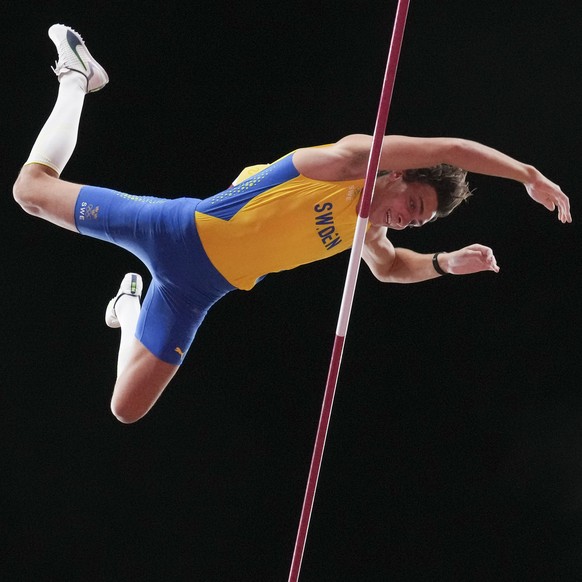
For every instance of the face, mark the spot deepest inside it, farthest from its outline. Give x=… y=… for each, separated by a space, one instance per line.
x=398 y=204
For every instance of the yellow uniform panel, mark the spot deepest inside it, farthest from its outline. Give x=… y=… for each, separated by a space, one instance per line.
x=276 y=219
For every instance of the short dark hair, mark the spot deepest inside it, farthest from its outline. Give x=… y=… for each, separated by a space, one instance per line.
x=449 y=182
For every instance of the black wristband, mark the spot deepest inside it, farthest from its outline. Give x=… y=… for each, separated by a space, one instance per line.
x=435 y=264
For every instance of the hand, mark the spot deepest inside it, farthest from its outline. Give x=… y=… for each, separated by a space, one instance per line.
x=471 y=259
x=550 y=195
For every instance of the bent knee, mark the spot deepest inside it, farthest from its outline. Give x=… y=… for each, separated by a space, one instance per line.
x=40 y=192
x=126 y=414
x=28 y=189
x=23 y=192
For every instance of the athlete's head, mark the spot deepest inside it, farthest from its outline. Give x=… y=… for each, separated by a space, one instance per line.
x=414 y=197
x=449 y=182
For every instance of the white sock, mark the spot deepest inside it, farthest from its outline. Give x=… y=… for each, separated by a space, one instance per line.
x=127 y=310
x=57 y=139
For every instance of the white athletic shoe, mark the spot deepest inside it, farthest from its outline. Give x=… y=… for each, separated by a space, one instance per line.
x=74 y=56
x=131 y=285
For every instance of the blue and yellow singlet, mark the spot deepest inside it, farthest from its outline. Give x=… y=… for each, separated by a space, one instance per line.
x=273 y=219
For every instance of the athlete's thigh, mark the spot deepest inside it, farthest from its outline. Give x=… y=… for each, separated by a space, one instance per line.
x=185 y=284
x=141 y=384
x=127 y=220
x=169 y=320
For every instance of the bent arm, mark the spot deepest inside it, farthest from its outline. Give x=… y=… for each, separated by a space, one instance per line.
x=398 y=265
x=395 y=265
x=401 y=152
x=350 y=156
x=348 y=159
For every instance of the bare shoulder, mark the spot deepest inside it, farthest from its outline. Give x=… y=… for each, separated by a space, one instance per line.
x=343 y=160
x=347 y=159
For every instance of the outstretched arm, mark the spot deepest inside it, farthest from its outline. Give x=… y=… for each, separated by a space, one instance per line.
x=348 y=159
x=398 y=265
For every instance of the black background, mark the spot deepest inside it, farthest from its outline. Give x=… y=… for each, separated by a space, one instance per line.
x=455 y=445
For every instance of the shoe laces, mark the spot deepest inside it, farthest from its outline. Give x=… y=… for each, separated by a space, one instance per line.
x=59 y=68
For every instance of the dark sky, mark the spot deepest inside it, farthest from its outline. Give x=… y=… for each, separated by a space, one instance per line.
x=455 y=445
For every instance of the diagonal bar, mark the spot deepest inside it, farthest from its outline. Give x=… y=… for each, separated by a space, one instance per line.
x=350 y=285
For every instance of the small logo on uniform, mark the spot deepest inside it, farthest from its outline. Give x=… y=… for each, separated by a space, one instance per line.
x=352 y=192
x=88 y=211
x=179 y=351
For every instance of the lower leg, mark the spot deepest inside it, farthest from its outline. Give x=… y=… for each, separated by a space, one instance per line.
x=127 y=310
x=37 y=190
x=123 y=311
x=141 y=376
x=57 y=139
